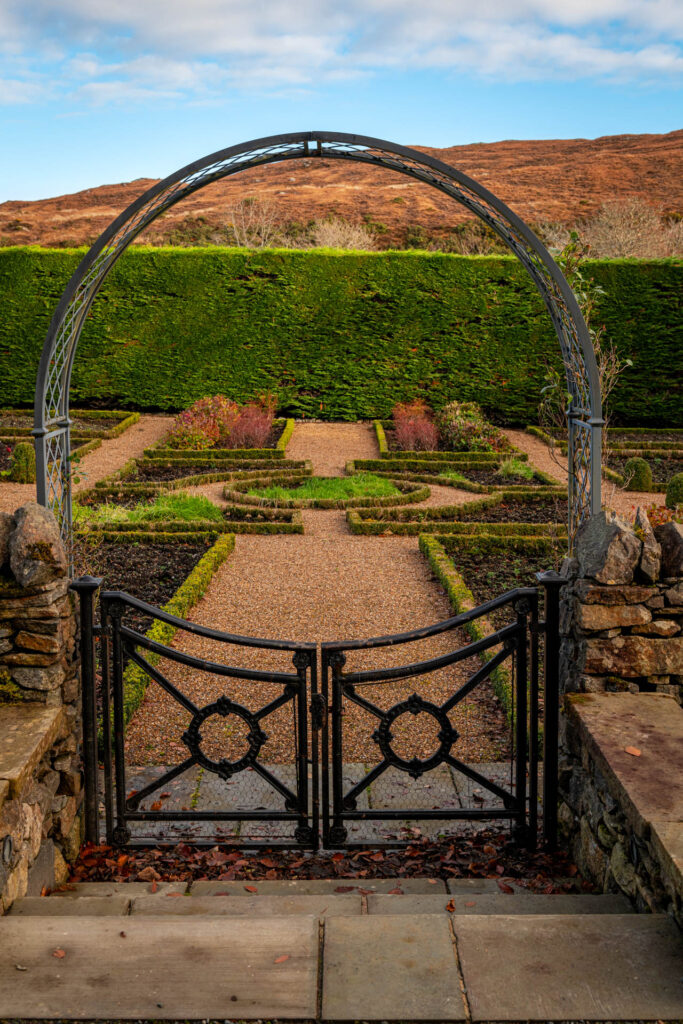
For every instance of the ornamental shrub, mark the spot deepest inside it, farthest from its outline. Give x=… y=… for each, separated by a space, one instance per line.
x=463 y=428
x=22 y=464
x=637 y=475
x=414 y=428
x=207 y=423
x=252 y=427
x=674 y=491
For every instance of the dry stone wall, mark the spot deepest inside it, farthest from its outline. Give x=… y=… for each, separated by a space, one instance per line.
x=621 y=625
x=40 y=774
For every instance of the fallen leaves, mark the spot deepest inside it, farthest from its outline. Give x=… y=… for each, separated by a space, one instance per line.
x=450 y=906
x=58 y=954
x=633 y=751
x=486 y=853
x=281 y=959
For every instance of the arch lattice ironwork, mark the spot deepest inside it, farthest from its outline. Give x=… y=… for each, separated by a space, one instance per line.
x=52 y=424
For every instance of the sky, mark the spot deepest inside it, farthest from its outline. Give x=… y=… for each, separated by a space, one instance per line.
x=102 y=91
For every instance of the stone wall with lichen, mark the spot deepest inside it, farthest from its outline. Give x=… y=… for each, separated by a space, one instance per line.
x=621 y=624
x=40 y=773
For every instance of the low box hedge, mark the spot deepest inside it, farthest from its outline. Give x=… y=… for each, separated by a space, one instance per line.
x=135 y=681
x=457 y=461
x=438 y=520
x=126 y=420
x=236 y=492
x=237 y=520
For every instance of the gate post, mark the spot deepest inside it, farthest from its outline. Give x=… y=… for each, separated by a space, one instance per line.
x=86 y=587
x=551 y=582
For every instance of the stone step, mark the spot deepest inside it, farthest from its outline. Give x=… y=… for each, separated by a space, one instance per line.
x=283 y=904
x=553 y=967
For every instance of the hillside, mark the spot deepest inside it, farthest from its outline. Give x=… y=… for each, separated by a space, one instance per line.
x=557 y=180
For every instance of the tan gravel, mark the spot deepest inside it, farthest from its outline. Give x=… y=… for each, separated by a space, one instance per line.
x=323 y=585
x=330 y=446
x=623 y=502
x=110 y=456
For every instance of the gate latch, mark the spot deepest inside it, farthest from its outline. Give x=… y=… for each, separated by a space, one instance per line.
x=318 y=711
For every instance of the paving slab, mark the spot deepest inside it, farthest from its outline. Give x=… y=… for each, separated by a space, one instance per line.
x=204 y=969
x=489 y=903
x=650 y=787
x=84 y=906
x=469 y=885
x=316 y=886
x=375 y=971
x=260 y=906
x=545 y=968
x=76 y=890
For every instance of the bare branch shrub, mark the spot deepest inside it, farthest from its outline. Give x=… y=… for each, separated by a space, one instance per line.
x=631 y=228
x=253 y=223
x=335 y=233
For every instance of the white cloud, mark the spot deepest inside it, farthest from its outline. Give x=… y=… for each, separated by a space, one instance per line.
x=198 y=49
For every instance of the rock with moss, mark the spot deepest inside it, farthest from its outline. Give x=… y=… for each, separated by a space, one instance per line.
x=37 y=554
x=22 y=464
x=638 y=475
x=674 y=491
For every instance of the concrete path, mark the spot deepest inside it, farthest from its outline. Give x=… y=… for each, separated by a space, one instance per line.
x=391 y=950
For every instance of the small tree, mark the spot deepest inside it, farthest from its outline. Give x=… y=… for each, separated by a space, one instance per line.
x=253 y=223
x=22 y=463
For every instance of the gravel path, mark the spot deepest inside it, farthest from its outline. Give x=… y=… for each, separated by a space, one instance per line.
x=623 y=502
x=110 y=456
x=330 y=446
x=325 y=584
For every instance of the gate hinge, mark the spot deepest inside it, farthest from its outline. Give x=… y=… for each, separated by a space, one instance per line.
x=318 y=711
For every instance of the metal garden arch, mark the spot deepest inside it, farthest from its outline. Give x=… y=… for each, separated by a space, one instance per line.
x=52 y=424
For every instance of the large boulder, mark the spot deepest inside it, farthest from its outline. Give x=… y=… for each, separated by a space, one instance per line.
x=607 y=549
x=670 y=536
x=6 y=527
x=37 y=553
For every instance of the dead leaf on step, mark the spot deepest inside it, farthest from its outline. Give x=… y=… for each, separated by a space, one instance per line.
x=633 y=751
x=59 y=954
x=504 y=887
x=281 y=959
x=20 y=968
x=471 y=903
x=450 y=906
x=251 y=888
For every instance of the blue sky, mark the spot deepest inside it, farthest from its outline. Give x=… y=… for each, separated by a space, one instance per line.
x=97 y=91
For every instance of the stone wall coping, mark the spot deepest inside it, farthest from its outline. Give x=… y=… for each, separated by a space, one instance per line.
x=28 y=731
x=649 y=787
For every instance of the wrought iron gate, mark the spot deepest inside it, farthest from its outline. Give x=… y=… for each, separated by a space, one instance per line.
x=279 y=791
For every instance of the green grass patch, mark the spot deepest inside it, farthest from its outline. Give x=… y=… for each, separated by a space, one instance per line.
x=165 y=507
x=331 y=488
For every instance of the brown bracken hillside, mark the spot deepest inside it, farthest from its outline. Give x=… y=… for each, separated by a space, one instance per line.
x=558 y=180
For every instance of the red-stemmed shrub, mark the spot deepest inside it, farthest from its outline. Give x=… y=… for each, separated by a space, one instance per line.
x=414 y=428
x=208 y=423
x=252 y=427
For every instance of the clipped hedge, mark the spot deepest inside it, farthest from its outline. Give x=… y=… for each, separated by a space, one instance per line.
x=126 y=420
x=410 y=522
x=339 y=335
x=237 y=520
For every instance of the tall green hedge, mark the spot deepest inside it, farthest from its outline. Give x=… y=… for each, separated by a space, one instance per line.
x=339 y=335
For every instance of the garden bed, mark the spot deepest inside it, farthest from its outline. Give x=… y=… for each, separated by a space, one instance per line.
x=346 y=492
x=273 y=448
x=413 y=521
x=79 y=447
x=102 y=423
x=663 y=465
x=516 y=507
x=459 y=427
